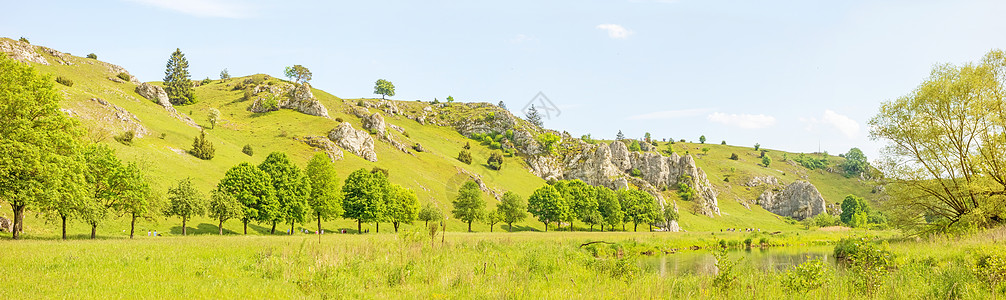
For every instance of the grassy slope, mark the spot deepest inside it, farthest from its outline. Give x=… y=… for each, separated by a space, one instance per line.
x=431 y=174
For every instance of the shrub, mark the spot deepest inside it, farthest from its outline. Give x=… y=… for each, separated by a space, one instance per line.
x=248 y=94
x=705 y=150
x=339 y=119
x=725 y=278
x=734 y=156
x=763 y=241
x=467 y=146
x=202 y=148
x=92 y=56
x=359 y=103
x=635 y=146
x=206 y=81
x=465 y=156
x=766 y=161
x=868 y=262
x=124 y=76
x=270 y=103
x=723 y=143
x=24 y=40
x=64 y=81
x=757 y=146
x=636 y=173
x=747 y=242
x=495 y=161
x=809 y=275
x=991 y=268
x=684 y=190
x=126 y=138
x=247 y=150
x=164 y=135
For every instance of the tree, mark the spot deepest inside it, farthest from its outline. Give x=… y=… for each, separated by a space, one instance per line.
x=492 y=217
x=465 y=156
x=646 y=137
x=362 y=197
x=502 y=105
x=469 y=206
x=548 y=141
x=177 y=82
x=450 y=99
x=38 y=142
x=702 y=139
x=582 y=201
x=511 y=209
x=547 y=204
x=138 y=201
x=224 y=207
x=202 y=148
x=855 y=163
x=533 y=116
x=609 y=207
x=297 y=73
x=635 y=147
x=430 y=213
x=253 y=188
x=92 y=56
x=854 y=211
x=185 y=202
x=495 y=160
x=213 y=116
x=670 y=214
x=326 y=198
x=670 y=148
x=69 y=195
x=384 y=88
x=403 y=207
x=292 y=189
x=639 y=206
x=619 y=136
x=107 y=182
x=224 y=75
x=766 y=160
x=757 y=146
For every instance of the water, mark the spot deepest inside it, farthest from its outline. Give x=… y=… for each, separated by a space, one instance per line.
x=702 y=262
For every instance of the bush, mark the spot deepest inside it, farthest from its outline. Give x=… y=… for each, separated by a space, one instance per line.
x=270 y=103
x=359 y=103
x=748 y=242
x=92 y=56
x=24 y=40
x=723 y=143
x=757 y=146
x=991 y=268
x=635 y=146
x=164 y=135
x=64 y=81
x=725 y=278
x=124 y=76
x=206 y=81
x=766 y=161
x=495 y=161
x=636 y=173
x=247 y=150
x=809 y=275
x=339 y=119
x=467 y=146
x=202 y=148
x=248 y=94
x=465 y=157
x=686 y=192
x=824 y=220
x=734 y=156
x=126 y=138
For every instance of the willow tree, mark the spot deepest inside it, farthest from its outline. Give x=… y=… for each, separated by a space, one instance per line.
x=946 y=148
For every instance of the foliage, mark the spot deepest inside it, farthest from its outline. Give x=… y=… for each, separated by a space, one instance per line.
x=855 y=163
x=363 y=195
x=868 y=262
x=384 y=88
x=670 y=214
x=403 y=206
x=766 y=160
x=185 y=202
x=495 y=160
x=807 y=276
x=123 y=75
x=247 y=150
x=224 y=75
x=326 y=198
x=23 y=40
x=634 y=146
x=609 y=207
x=757 y=146
x=582 y=201
x=299 y=74
x=991 y=268
x=533 y=116
x=92 y=56
x=854 y=211
x=810 y=162
x=469 y=206
x=177 y=82
x=511 y=209
x=548 y=141
x=64 y=81
x=702 y=139
x=253 y=188
x=640 y=207
x=450 y=99
x=202 y=148
x=492 y=217
x=726 y=277
x=548 y=205
x=685 y=191
x=619 y=136
x=587 y=139
x=126 y=138
x=223 y=207
x=291 y=186
x=212 y=117
x=430 y=213
x=635 y=172
x=465 y=156
x=733 y=156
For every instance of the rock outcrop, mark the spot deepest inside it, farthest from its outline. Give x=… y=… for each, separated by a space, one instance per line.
x=353 y=140
x=125 y=120
x=153 y=93
x=762 y=180
x=6 y=225
x=21 y=51
x=326 y=145
x=376 y=123
x=288 y=96
x=799 y=200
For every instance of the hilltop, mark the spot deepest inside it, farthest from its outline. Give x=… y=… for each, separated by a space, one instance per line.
x=389 y=134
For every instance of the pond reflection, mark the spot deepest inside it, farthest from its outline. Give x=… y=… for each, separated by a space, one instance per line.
x=702 y=262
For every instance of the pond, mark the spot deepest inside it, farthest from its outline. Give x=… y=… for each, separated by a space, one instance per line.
x=702 y=262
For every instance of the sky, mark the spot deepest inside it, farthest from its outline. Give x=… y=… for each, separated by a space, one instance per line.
x=799 y=76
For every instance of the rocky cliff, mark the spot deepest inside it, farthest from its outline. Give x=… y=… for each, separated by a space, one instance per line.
x=287 y=96
x=799 y=200
x=353 y=140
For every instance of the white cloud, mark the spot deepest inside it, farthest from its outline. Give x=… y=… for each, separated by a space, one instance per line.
x=203 y=8
x=745 y=121
x=847 y=126
x=615 y=31
x=670 y=114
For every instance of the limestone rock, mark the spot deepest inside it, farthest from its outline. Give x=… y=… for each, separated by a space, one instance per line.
x=6 y=225
x=23 y=52
x=375 y=122
x=799 y=200
x=301 y=99
x=324 y=144
x=125 y=120
x=286 y=96
x=620 y=156
x=356 y=141
x=762 y=180
x=153 y=93
x=418 y=147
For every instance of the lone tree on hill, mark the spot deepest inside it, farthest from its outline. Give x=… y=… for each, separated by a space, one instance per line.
x=702 y=139
x=213 y=117
x=177 y=82
x=384 y=88
x=185 y=202
x=37 y=141
x=298 y=74
x=502 y=105
x=326 y=198
x=253 y=188
x=224 y=75
x=469 y=205
x=533 y=116
x=619 y=136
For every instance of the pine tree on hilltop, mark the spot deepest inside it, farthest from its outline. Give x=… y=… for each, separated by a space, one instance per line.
x=532 y=115
x=177 y=84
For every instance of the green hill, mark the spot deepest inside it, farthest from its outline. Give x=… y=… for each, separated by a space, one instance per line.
x=434 y=174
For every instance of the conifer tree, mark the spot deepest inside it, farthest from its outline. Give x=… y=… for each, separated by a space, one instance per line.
x=202 y=148
x=177 y=82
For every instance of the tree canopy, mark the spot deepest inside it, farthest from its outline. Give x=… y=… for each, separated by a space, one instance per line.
x=469 y=206
x=855 y=163
x=253 y=188
x=185 y=201
x=363 y=195
x=177 y=81
x=547 y=204
x=511 y=209
x=297 y=73
x=384 y=88
x=291 y=186
x=326 y=198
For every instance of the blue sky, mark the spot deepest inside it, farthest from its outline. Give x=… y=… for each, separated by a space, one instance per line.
x=791 y=75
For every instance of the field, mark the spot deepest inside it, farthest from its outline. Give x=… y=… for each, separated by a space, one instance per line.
x=465 y=265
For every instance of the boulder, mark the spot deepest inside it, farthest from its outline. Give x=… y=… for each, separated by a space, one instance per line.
x=376 y=123
x=762 y=180
x=324 y=144
x=799 y=200
x=153 y=93
x=116 y=115
x=6 y=225
x=287 y=96
x=356 y=141
x=301 y=99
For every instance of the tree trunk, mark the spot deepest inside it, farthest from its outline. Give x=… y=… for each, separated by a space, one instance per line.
x=291 y=228
x=469 y=226
x=511 y=227
x=63 y=216
x=491 y=227
x=221 y=226
x=635 y=227
x=651 y=227
x=359 y=228
x=396 y=226
x=132 y=227
x=546 y=226
x=319 y=224
x=18 y=222
x=273 y=231
x=426 y=224
x=94 y=230
x=623 y=226
x=183 y=225
x=377 y=227
x=246 y=226
x=591 y=227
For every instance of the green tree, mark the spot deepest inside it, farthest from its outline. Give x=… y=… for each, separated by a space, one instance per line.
x=512 y=209
x=646 y=137
x=548 y=141
x=108 y=185
x=384 y=88
x=404 y=206
x=492 y=217
x=766 y=160
x=224 y=207
x=177 y=82
x=326 y=198
x=855 y=163
x=533 y=116
x=619 y=136
x=213 y=116
x=495 y=160
x=38 y=142
x=224 y=75
x=450 y=99
x=635 y=146
x=363 y=195
x=547 y=204
x=854 y=211
x=253 y=188
x=465 y=156
x=138 y=201
x=185 y=201
x=429 y=213
x=69 y=195
x=298 y=74
x=469 y=206
x=292 y=189
x=202 y=148
x=609 y=207
x=640 y=207
x=582 y=201
x=702 y=139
